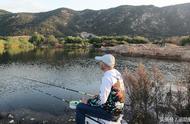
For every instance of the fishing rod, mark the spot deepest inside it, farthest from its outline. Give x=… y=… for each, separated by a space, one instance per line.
x=51 y=95
x=65 y=88
x=72 y=104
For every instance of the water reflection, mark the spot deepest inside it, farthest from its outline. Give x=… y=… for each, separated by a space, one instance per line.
x=68 y=68
x=15 y=51
x=1 y=50
x=41 y=55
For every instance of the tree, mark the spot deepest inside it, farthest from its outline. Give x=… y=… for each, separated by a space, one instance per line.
x=37 y=39
x=52 y=40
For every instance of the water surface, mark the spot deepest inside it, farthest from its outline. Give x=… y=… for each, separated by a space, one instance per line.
x=75 y=69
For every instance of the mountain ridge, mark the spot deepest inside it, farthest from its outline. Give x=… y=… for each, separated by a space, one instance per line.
x=145 y=20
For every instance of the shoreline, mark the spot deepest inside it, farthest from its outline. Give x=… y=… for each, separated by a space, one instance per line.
x=27 y=116
x=168 y=52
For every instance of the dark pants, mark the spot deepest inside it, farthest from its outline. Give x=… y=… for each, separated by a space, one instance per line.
x=97 y=112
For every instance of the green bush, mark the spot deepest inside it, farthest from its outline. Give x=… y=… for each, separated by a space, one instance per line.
x=52 y=40
x=108 y=38
x=122 y=38
x=18 y=42
x=2 y=44
x=185 y=41
x=117 y=38
x=95 y=40
x=71 y=39
x=75 y=42
x=24 y=43
x=37 y=39
x=12 y=43
x=138 y=40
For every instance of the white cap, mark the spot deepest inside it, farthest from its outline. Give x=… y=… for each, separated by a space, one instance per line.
x=108 y=59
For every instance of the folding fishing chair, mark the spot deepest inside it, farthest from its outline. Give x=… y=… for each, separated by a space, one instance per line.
x=93 y=120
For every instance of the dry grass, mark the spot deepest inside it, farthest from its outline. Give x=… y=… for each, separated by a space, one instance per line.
x=148 y=100
x=144 y=93
x=170 y=51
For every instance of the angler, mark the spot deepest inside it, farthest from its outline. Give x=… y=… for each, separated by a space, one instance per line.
x=109 y=103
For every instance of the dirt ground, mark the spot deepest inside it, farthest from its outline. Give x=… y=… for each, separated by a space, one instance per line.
x=25 y=116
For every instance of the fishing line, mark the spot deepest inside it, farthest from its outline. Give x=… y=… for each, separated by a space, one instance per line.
x=51 y=95
x=65 y=88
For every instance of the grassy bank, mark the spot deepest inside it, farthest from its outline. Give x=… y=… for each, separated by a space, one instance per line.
x=169 y=51
x=82 y=42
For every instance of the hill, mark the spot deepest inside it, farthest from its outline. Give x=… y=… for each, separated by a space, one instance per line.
x=149 y=21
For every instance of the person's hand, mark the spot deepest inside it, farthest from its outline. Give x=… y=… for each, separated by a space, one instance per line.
x=84 y=100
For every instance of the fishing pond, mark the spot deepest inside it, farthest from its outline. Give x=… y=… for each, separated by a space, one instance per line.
x=71 y=68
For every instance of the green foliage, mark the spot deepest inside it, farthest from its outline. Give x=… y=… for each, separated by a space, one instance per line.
x=185 y=41
x=138 y=40
x=95 y=40
x=2 y=44
x=15 y=45
x=11 y=43
x=123 y=38
x=45 y=42
x=18 y=42
x=52 y=40
x=37 y=39
x=117 y=38
x=71 y=39
x=24 y=43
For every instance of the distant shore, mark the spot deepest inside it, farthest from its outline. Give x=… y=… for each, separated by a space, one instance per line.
x=174 y=48
x=167 y=52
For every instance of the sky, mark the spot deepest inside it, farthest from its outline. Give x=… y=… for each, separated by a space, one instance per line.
x=47 y=5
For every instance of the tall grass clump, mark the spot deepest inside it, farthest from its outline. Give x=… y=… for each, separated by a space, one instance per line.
x=144 y=93
x=149 y=100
